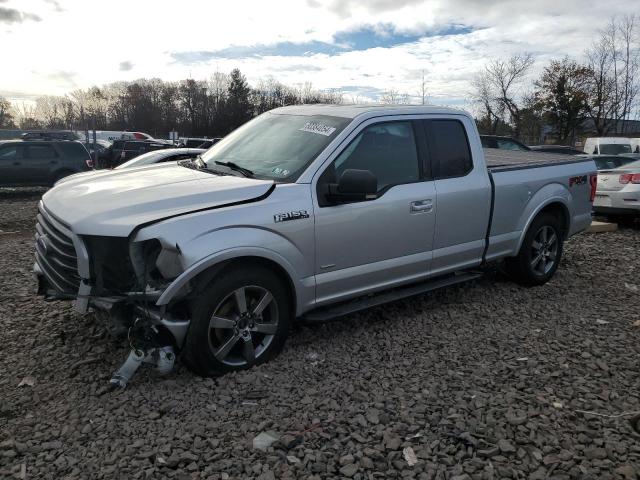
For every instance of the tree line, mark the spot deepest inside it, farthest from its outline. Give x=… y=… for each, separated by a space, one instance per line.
x=598 y=94
x=212 y=107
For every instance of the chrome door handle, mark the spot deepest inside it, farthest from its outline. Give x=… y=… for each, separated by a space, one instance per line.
x=420 y=206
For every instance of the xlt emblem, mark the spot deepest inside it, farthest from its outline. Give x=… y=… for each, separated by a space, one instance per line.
x=286 y=216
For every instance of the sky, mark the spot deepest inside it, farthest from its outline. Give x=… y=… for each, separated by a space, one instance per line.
x=361 y=48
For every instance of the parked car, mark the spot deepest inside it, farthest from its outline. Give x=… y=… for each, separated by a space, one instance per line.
x=160 y=156
x=40 y=162
x=198 y=142
x=103 y=148
x=607 y=162
x=310 y=212
x=112 y=135
x=562 y=149
x=607 y=146
x=618 y=192
x=49 y=135
x=502 y=143
x=123 y=150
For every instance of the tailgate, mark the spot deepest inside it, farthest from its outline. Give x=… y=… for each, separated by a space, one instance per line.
x=609 y=181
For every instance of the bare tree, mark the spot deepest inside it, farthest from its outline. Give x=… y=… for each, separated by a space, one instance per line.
x=505 y=77
x=6 y=114
x=484 y=95
x=603 y=103
x=393 y=97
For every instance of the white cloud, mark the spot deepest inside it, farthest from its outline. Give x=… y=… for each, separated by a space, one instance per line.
x=79 y=43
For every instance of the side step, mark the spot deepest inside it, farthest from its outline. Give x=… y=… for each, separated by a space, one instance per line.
x=330 y=312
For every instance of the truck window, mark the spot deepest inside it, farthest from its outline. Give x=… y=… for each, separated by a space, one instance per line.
x=388 y=150
x=449 y=148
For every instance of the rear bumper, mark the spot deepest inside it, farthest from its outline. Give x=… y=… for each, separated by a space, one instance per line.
x=622 y=202
x=616 y=211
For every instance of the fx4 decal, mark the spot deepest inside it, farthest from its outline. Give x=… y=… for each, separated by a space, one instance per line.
x=287 y=216
x=581 y=180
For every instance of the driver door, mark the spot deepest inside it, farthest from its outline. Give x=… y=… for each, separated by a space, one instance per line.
x=371 y=245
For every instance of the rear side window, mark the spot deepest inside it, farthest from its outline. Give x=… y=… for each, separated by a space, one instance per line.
x=11 y=152
x=73 y=150
x=41 y=151
x=449 y=149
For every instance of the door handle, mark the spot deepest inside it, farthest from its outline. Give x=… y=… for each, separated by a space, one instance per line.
x=17 y=163
x=420 y=206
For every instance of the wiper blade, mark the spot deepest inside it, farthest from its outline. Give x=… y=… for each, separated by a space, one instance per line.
x=233 y=166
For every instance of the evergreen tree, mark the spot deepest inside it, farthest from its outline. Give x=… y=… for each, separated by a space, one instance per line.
x=239 y=108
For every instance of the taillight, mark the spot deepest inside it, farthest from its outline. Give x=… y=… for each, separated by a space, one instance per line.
x=89 y=162
x=629 y=178
x=593 y=181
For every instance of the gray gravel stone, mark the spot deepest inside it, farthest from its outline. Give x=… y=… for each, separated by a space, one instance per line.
x=437 y=372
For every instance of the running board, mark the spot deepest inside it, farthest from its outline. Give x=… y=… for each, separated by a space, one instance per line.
x=324 y=314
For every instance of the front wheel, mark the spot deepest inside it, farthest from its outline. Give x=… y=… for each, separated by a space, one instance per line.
x=240 y=320
x=540 y=253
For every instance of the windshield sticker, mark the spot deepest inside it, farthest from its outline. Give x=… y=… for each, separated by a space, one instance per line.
x=320 y=129
x=281 y=172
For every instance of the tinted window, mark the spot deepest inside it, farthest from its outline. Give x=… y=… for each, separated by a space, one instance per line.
x=387 y=150
x=614 y=148
x=449 y=148
x=41 y=151
x=10 y=152
x=508 y=145
x=74 y=150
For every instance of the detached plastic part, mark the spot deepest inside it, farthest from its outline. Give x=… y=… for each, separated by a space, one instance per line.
x=162 y=357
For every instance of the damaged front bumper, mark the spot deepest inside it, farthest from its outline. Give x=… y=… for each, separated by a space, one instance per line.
x=121 y=311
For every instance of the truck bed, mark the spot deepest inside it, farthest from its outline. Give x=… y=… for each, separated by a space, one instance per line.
x=502 y=160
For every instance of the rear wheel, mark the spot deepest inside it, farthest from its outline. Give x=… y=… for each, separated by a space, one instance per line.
x=540 y=253
x=240 y=320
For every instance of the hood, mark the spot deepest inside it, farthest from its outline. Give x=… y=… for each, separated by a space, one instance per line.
x=114 y=202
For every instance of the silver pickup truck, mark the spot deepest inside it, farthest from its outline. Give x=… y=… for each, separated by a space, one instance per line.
x=306 y=212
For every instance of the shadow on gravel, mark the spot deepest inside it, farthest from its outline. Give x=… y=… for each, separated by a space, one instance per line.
x=21 y=193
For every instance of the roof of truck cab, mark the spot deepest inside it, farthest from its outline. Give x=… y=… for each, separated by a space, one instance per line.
x=353 y=111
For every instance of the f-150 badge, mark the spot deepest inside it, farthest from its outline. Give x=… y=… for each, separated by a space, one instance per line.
x=287 y=216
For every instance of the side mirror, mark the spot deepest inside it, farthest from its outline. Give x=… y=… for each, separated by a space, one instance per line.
x=353 y=186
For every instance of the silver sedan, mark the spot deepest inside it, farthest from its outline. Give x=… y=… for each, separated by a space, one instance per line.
x=618 y=191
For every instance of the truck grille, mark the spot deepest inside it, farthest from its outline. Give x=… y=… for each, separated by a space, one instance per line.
x=56 y=254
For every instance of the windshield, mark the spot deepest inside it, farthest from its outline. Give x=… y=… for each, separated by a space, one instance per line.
x=144 y=159
x=276 y=146
x=614 y=148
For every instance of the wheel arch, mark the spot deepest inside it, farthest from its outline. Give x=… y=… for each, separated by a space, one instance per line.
x=207 y=269
x=557 y=206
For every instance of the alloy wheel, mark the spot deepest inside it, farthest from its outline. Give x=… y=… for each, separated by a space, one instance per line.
x=243 y=325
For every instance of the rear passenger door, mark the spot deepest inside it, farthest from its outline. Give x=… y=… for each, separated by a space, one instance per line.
x=41 y=160
x=11 y=158
x=463 y=195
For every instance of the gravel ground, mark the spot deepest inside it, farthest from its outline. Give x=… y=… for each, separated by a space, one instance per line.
x=481 y=381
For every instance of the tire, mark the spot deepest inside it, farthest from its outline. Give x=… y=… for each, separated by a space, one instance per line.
x=221 y=339
x=538 y=259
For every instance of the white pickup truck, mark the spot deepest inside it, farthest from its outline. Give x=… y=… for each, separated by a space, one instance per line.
x=306 y=212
